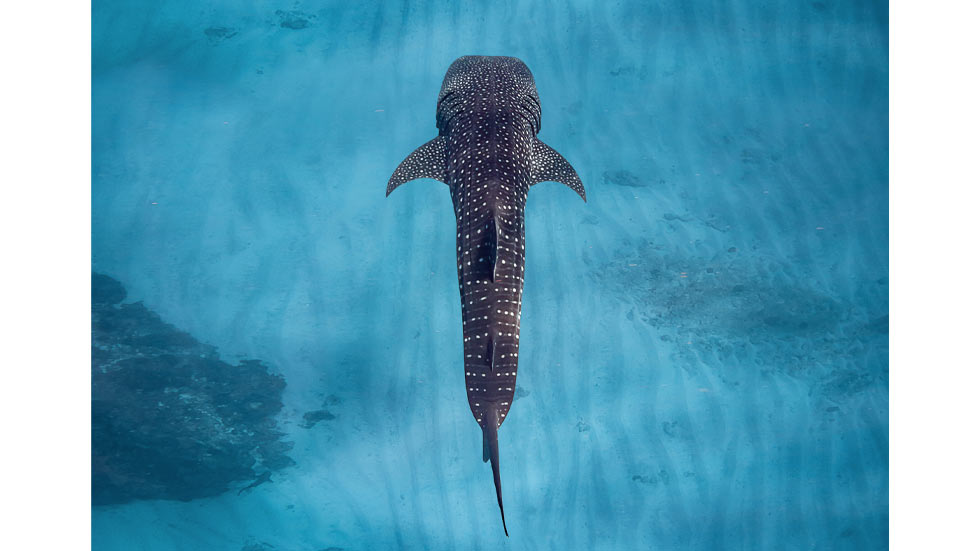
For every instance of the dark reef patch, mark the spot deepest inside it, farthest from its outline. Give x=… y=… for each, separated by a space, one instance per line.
x=253 y=545
x=294 y=20
x=660 y=477
x=258 y=546
x=170 y=419
x=219 y=34
x=623 y=70
x=754 y=310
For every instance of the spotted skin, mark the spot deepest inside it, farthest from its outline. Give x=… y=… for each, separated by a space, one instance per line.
x=488 y=115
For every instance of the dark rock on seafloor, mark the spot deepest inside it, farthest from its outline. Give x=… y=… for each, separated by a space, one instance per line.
x=219 y=34
x=170 y=419
x=294 y=20
x=311 y=418
x=622 y=178
x=262 y=479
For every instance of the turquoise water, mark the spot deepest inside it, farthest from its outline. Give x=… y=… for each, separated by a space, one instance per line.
x=704 y=361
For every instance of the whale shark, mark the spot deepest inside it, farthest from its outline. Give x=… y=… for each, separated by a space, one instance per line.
x=488 y=115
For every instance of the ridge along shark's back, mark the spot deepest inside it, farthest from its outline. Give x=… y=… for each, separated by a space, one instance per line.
x=487 y=152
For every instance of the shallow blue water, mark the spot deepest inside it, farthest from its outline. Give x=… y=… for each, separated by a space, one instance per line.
x=704 y=357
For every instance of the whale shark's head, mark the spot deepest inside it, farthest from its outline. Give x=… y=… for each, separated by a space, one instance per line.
x=506 y=82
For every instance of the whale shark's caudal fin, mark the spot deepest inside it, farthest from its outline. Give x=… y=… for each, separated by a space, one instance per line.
x=550 y=166
x=428 y=161
x=490 y=449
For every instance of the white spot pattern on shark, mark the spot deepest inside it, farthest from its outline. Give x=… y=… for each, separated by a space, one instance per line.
x=488 y=115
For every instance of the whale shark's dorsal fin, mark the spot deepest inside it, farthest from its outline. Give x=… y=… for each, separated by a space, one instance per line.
x=491 y=349
x=550 y=166
x=492 y=245
x=428 y=161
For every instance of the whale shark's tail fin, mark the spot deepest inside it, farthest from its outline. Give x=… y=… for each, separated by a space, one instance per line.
x=428 y=161
x=550 y=166
x=490 y=450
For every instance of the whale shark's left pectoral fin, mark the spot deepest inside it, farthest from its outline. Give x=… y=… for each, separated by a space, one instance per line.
x=428 y=161
x=550 y=166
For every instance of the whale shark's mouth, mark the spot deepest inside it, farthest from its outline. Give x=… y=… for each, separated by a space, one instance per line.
x=483 y=60
x=467 y=71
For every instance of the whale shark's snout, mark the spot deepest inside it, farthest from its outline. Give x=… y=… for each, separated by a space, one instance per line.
x=491 y=82
x=486 y=65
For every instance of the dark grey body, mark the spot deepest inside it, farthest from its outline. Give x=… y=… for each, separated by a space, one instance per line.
x=488 y=116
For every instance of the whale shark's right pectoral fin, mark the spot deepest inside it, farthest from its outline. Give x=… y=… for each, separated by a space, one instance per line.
x=550 y=166
x=428 y=161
